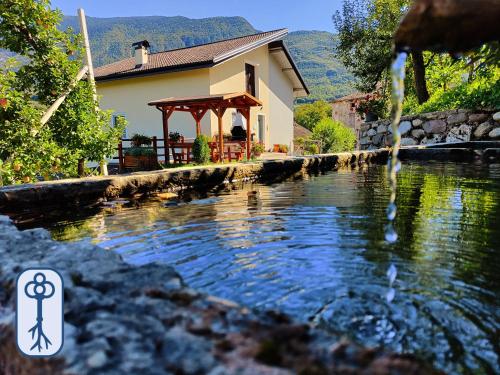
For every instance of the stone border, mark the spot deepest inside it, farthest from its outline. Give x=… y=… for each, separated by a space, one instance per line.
x=95 y=189
x=436 y=127
x=122 y=319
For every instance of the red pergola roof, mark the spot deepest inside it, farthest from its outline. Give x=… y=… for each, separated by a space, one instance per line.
x=232 y=100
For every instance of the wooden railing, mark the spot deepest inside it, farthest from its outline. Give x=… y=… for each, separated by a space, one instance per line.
x=180 y=152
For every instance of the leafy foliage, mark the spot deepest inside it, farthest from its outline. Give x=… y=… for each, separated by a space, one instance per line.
x=308 y=115
x=334 y=136
x=366 y=28
x=52 y=59
x=201 y=149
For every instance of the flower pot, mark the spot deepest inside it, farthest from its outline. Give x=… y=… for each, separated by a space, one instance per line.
x=141 y=162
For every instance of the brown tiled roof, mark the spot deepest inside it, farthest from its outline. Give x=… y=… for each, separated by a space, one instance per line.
x=348 y=98
x=188 y=58
x=300 y=131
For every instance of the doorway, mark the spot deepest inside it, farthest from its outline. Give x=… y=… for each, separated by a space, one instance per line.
x=262 y=128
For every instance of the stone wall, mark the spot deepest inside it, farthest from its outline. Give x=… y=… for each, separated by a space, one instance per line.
x=437 y=127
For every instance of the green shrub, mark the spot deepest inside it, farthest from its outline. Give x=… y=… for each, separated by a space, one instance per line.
x=483 y=92
x=139 y=140
x=139 y=151
x=201 y=149
x=312 y=149
x=257 y=148
x=334 y=136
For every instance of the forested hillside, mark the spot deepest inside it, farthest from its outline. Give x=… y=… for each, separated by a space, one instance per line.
x=111 y=40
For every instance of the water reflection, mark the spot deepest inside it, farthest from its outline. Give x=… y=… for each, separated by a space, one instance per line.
x=315 y=249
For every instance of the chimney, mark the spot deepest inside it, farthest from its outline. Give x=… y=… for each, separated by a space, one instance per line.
x=141 y=53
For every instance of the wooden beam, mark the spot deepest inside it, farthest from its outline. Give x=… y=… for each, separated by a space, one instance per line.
x=60 y=100
x=88 y=54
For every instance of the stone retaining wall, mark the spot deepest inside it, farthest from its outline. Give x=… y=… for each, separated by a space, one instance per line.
x=431 y=128
x=92 y=190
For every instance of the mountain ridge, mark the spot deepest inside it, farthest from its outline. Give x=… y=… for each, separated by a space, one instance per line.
x=111 y=40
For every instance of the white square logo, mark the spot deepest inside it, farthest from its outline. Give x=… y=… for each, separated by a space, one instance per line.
x=39 y=312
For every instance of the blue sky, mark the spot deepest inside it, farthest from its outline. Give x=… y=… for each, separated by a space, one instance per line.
x=262 y=14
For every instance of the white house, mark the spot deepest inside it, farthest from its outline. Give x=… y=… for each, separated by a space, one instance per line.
x=258 y=64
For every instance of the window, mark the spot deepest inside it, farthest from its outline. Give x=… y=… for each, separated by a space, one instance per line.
x=114 y=121
x=250 y=79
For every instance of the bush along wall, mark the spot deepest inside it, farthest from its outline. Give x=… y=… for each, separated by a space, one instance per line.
x=437 y=127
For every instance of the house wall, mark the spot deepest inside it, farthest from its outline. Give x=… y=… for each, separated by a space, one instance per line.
x=131 y=96
x=230 y=77
x=273 y=88
x=343 y=111
x=281 y=101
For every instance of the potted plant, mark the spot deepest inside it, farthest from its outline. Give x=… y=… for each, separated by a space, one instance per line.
x=372 y=107
x=257 y=149
x=175 y=137
x=140 y=156
x=283 y=149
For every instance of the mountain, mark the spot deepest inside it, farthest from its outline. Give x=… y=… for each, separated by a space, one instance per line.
x=111 y=40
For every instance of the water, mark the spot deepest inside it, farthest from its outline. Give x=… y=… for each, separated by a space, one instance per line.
x=397 y=97
x=314 y=249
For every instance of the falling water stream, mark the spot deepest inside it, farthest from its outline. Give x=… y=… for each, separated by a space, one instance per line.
x=397 y=97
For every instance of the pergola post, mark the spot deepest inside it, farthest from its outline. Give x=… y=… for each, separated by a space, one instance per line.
x=219 y=112
x=166 y=113
x=198 y=115
x=246 y=114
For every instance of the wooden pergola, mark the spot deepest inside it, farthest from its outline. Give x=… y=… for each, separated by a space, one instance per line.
x=198 y=106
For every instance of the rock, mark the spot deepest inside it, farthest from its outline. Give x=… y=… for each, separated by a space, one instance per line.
x=404 y=127
x=458 y=118
x=495 y=133
x=382 y=129
x=377 y=139
x=460 y=133
x=482 y=130
x=97 y=360
x=408 y=142
x=418 y=133
x=186 y=352
x=417 y=122
x=364 y=141
x=364 y=127
x=371 y=132
x=434 y=126
x=434 y=138
x=477 y=118
x=496 y=117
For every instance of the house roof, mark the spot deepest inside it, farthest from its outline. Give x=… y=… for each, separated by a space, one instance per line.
x=300 y=131
x=351 y=97
x=201 y=56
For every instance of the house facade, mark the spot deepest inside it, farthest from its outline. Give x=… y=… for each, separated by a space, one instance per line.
x=344 y=110
x=257 y=64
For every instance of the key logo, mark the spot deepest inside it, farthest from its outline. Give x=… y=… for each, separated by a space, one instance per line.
x=39 y=312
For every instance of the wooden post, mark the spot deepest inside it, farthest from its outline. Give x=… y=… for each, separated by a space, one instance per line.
x=155 y=147
x=120 y=157
x=88 y=55
x=221 y=136
x=166 y=113
x=246 y=113
x=61 y=99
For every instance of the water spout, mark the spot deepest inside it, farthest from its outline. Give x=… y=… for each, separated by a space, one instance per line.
x=448 y=25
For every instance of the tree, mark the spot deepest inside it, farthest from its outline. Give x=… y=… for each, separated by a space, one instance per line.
x=334 y=136
x=308 y=115
x=51 y=60
x=366 y=29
